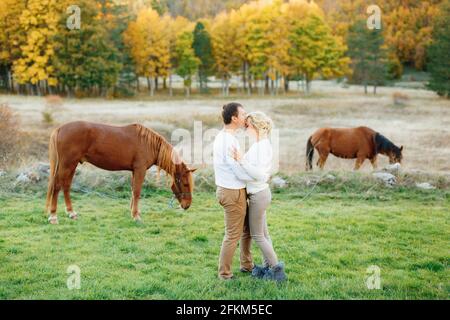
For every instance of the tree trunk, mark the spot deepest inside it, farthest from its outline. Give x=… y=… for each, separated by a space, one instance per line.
x=266 y=85
x=272 y=87
x=222 y=84
x=286 y=84
x=308 y=85
x=244 y=76
x=170 y=85
x=10 y=81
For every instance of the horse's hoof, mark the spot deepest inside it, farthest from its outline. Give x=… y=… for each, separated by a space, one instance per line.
x=53 y=220
x=138 y=220
x=72 y=215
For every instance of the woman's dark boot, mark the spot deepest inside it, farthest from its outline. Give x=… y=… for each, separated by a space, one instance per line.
x=259 y=271
x=276 y=273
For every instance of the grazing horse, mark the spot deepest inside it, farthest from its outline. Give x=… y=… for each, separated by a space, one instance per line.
x=361 y=143
x=133 y=148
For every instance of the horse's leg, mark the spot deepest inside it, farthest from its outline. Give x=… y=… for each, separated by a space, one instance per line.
x=132 y=182
x=323 y=159
x=138 y=179
x=373 y=161
x=359 y=162
x=67 y=182
x=53 y=219
x=323 y=156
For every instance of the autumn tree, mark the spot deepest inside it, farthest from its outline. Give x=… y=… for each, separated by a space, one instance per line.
x=226 y=48
x=39 y=21
x=149 y=46
x=313 y=48
x=406 y=26
x=10 y=38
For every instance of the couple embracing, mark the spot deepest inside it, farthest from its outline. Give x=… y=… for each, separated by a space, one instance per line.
x=244 y=194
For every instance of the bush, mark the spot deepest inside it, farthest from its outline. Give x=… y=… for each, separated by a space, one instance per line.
x=9 y=137
x=47 y=116
x=400 y=99
x=52 y=103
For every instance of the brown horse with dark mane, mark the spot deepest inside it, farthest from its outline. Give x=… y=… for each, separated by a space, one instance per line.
x=351 y=143
x=133 y=148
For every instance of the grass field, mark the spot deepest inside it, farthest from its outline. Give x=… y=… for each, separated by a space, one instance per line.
x=327 y=240
x=328 y=236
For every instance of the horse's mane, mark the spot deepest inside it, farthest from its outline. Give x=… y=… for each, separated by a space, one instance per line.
x=382 y=143
x=157 y=143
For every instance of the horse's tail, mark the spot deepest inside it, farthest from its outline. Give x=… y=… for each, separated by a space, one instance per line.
x=309 y=154
x=54 y=164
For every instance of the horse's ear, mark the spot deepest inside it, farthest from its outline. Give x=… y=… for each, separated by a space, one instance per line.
x=401 y=148
x=192 y=170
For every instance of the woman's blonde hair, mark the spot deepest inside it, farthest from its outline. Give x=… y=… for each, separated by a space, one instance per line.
x=262 y=123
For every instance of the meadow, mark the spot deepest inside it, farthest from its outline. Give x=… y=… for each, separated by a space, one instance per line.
x=327 y=235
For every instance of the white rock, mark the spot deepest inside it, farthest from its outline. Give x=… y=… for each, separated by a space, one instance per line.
x=2 y=173
x=393 y=168
x=330 y=177
x=425 y=186
x=279 y=182
x=43 y=168
x=23 y=177
x=388 y=178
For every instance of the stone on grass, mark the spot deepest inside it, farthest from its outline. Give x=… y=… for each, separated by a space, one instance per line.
x=393 y=168
x=425 y=186
x=388 y=178
x=279 y=182
x=23 y=178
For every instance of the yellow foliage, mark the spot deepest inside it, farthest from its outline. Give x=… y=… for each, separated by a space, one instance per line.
x=39 y=19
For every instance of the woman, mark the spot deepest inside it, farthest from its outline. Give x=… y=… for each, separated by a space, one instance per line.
x=257 y=162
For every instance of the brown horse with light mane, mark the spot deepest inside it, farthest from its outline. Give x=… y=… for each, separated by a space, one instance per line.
x=133 y=148
x=351 y=143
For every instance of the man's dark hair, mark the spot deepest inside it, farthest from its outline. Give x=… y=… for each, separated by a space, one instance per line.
x=230 y=110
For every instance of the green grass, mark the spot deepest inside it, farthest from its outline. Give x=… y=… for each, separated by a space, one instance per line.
x=327 y=243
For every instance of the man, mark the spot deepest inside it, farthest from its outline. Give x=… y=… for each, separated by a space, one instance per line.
x=230 y=179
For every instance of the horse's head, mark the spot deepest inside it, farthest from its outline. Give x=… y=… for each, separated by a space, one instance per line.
x=395 y=154
x=183 y=185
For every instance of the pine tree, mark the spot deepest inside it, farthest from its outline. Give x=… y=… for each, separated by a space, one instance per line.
x=368 y=54
x=438 y=52
x=203 y=51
